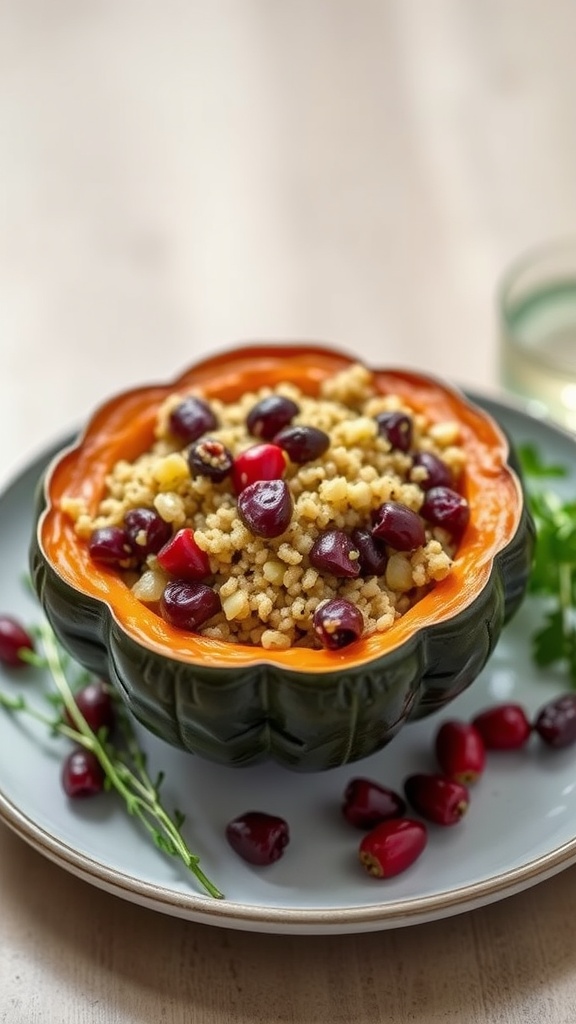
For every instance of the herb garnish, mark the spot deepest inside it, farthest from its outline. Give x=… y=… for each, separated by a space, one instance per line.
x=554 y=569
x=123 y=761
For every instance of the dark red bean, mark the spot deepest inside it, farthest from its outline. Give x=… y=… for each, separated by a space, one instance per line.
x=260 y=462
x=265 y=507
x=446 y=508
x=95 y=704
x=367 y=803
x=503 y=727
x=147 y=531
x=398 y=526
x=188 y=605
x=209 y=457
x=181 y=557
x=555 y=723
x=397 y=428
x=257 y=837
x=82 y=774
x=438 y=474
x=270 y=415
x=460 y=751
x=438 y=799
x=13 y=640
x=373 y=555
x=192 y=418
x=337 y=623
x=334 y=552
x=392 y=847
x=110 y=545
x=302 y=443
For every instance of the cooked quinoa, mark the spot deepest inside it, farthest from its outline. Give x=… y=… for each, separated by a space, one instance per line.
x=268 y=589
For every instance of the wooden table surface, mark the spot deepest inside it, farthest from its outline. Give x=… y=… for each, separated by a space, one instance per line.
x=176 y=176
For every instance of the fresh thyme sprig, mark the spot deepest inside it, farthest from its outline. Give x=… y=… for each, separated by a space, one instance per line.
x=123 y=762
x=554 y=569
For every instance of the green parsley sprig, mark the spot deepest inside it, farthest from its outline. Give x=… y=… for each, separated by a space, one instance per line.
x=123 y=761
x=553 y=574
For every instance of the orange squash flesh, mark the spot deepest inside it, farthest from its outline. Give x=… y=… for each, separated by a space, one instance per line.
x=123 y=428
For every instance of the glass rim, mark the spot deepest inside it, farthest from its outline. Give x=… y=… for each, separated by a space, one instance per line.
x=525 y=260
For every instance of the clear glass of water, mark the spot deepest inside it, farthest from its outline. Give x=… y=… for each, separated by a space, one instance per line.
x=537 y=310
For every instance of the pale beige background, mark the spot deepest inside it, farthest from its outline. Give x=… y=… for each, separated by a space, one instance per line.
x=175 y=176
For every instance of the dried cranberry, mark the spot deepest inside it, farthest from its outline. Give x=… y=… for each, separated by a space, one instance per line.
x=182 y=557
x=367 y=803
x=270 y=415
x=460 y=751
x=82 y=774
x=555 y=723
x=398 y=526
x=503 y=727
x=334 y=552
x=397 y=428
x=111 y=546
x=257 y=837
x=147 y=531
x=373 y=555
x=438 y=474
x=441 y=800
x=302 y=443
x=209 y=457
x=337 y=623
x=188 y=605
x=192 y=418
x=260 y=462
x=95 y=704
x=265 y=507
x=446 y=508
x=13 y=640
x=392 y=847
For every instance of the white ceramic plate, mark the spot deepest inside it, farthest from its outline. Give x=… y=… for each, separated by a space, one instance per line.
x=520 y=829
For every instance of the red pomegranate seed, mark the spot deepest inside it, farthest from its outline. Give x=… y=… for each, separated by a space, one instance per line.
x=265 y=507
x=188 y=605
x=82 y=774
x=392 y=847
x=95 y=704
x=460 y=751
x=260 y=462
x=13 y=640
x=337 y=623
x=398 y=526
x=181 y=557
x=555 y=723
x=503 y=727
x=437 y=798
x=257 y=837
x=335 y=552
x=367 y=803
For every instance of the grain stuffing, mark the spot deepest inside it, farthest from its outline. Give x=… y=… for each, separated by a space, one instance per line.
x=283 y=519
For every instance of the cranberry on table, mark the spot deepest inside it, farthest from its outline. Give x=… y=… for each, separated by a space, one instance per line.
x=337 y=623
x=460 y=751
x=188 y=605
x=13 y=640
x=270 y=415
x=367 y=803
x=334 y=552
x=147 y=531
x=96 y=706
x=110 y=545
x=555 y=723
x=265 y=508
x=398 y=526
x=257 y=837
x=209 y=457
x=302 y=443
x=259 y=462
x=82 y=774
x=446 y=508
x=437 y=798
x=397 y=428
x=192 y=418
x=503 y=727
x=438 y=474
x=373 y=556
x=181 y=557
x=392 y=847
